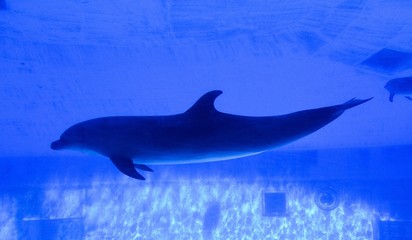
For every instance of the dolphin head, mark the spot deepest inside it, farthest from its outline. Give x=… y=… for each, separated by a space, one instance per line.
x=57 y=145
x=389 y=86
x=72 y=138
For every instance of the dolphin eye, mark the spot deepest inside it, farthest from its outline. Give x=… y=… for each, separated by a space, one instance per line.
x=72 y=137
x=78 y=138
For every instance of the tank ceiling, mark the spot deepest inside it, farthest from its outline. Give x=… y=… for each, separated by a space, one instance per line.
x=62 y=62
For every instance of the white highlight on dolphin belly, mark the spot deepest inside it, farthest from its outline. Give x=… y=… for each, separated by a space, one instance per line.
x=172 y=160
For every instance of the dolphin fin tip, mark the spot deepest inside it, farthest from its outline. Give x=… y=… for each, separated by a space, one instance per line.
x=143 y=167
x=139 y=177
x=206 y=103
x=126 y=166
x=355 y=102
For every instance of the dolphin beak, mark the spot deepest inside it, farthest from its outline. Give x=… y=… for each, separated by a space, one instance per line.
x=57 y=145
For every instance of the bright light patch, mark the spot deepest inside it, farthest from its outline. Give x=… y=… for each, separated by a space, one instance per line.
x=176 y=210
x=8 y=210
x=192 y=209
x=63 y=203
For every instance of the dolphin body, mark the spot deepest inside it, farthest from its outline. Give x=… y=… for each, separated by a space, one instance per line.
x=201 y=134
x=399 y=86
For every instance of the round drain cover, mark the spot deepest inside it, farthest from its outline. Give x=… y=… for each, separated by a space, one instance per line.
x=327 y=199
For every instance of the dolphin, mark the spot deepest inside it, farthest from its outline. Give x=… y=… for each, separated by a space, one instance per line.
x=201 y=134
x=400 y=86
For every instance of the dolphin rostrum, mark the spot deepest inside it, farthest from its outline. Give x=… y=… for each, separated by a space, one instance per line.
x=399 y=86
x=201 y=134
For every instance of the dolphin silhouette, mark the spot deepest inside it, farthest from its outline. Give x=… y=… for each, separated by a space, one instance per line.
x=399 y=86
x=201 y=134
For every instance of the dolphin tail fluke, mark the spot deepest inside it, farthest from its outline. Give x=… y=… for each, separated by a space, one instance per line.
x=353 y=103
x=126 y=166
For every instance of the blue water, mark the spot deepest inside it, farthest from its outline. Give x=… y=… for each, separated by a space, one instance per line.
x=71 y=198
x=62 y=62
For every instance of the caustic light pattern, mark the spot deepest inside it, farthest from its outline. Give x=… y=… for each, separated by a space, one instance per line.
x=197 y=210
x=7 y=218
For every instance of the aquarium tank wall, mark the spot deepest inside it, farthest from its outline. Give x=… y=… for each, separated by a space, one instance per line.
x=304 y=129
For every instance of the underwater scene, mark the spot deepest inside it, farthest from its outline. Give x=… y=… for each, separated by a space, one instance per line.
x=206 y=119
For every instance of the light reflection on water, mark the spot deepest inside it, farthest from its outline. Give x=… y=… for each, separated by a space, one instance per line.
x=176 y=210
x=8 y=228
x=131 y=209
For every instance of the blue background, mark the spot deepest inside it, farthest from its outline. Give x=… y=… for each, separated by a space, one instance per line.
x=62 y=62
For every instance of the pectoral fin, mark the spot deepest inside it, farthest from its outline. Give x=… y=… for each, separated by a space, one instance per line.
x=126 y=166
x=391 y=95
x=407 y=97
x=143 y=167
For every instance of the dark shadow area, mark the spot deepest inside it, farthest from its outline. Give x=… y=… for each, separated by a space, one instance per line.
x=395 y=230
x=389 y=60
x=211 y=219
x=274 y=204
x=3 y=5
x=50 y=229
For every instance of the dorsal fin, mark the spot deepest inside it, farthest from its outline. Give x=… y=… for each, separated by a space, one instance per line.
x=206 y=103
